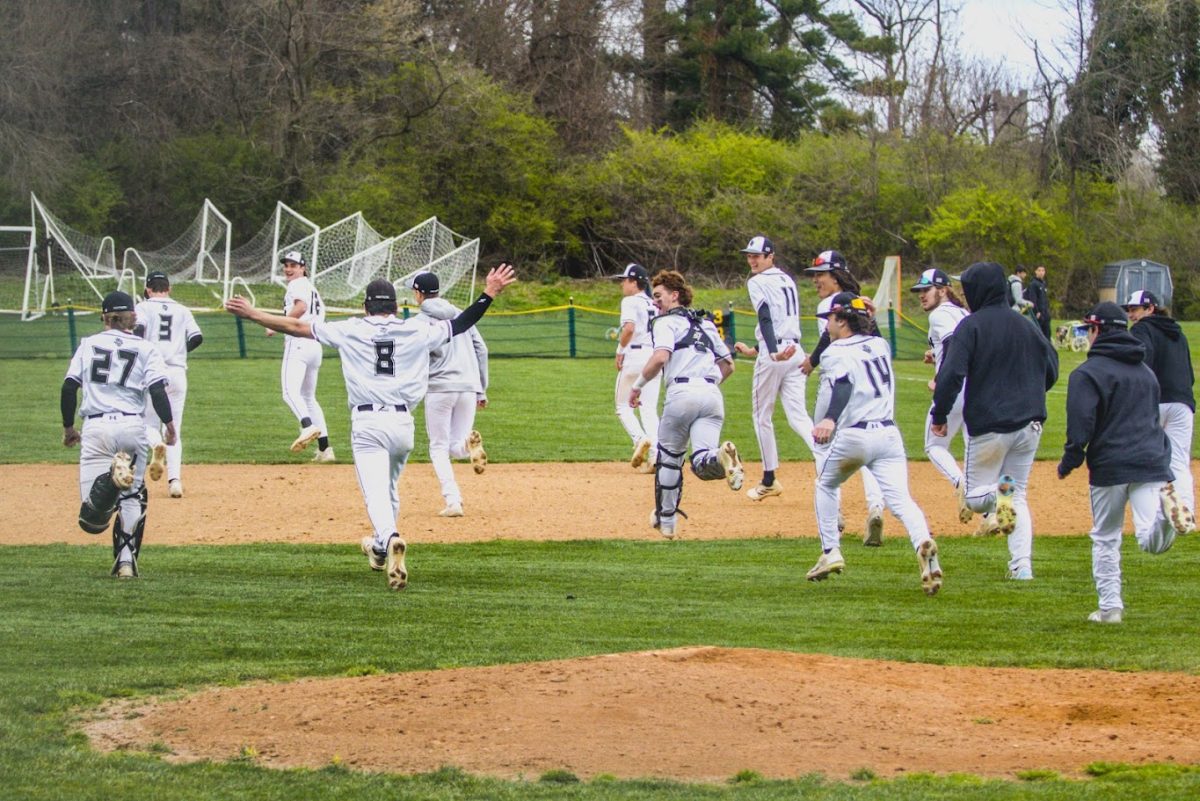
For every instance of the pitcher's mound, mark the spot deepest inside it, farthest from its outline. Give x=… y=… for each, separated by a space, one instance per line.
x=690 y=713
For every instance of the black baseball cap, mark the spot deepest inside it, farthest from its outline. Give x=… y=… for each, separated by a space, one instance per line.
x=760 y=245
x=633 y=271
x=425 y=283
x=1107 y=314
x=117 y=302
x=827 y=260
x=930 y=279
x=1143 y=297
x=157 y=275
x=381 y=289
x=848 y=303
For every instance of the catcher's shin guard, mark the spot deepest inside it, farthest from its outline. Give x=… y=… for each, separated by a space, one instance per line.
x=668 y=482
x=123 y=538
x=707 y=465
x=96 y=512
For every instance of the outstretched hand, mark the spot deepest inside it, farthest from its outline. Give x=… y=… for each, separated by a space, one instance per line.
x=239 y=306
x=498 y=278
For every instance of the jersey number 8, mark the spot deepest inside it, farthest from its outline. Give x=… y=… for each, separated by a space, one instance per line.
x=385 y=352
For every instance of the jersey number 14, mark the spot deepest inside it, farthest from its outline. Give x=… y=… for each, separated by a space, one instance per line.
x=879 y=367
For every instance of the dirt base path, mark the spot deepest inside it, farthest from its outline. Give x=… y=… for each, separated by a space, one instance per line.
x=693 y=713
x=227 y=504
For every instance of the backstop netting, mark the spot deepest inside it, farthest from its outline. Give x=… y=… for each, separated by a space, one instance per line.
x=200 y=255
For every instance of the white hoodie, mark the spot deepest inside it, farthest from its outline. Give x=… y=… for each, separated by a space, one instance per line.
x=461 y=365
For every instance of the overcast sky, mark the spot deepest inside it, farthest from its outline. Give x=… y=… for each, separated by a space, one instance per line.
x=1000 y=29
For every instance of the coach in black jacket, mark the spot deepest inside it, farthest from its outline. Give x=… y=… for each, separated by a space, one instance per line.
x=1007 y=365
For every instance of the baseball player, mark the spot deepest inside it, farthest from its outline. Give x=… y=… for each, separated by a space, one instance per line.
x=830 y=274
x=856 y=422
x=1007 y=365
x=171 y=328
x=1170 y=359
x=777 y=373
x=302 y=358
x=458 y=378
x=385 y=363
x=633 y=351
x=693 y=360
x=1112 y=421
x=116 y=370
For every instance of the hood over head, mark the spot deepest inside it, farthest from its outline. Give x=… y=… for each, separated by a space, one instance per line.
x=1119 y=344
x=984 y=284
x=439 y=309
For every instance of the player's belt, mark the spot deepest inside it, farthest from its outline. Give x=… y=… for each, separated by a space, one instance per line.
x=684 y=380
x=787 y=342
x=636 y=347
x=113 y=414
x=873 y=424
x=383 y=407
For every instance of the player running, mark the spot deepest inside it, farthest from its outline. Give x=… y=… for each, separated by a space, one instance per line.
x=302 y=358
x=172 y=328
x=633 y=351
x=777 y=373
x=385 y=363
x=857 y=422
x=693 y=360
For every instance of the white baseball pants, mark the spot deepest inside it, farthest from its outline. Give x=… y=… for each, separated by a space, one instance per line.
x=989 y=456
x=381 y=440
x=298 y=376
x=938 y=448
x=177 y=395
x=1177 y=420
x=880 y=451
x=102 y=437
x=449 y=418
x=1150 y=526
x=647 y=426
x=783 y=381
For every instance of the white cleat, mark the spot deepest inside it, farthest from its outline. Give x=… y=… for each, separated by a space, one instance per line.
x=761 y=491
x=987 y=526
x=306 y=438
x=452 y=510
x=158 y=462
x=829 y=563
x=376 y=559
x=641 y=453
x=1105 y=616
x=874 y=536
x=665 y=527
x=396 y=572
x=1182 y=519
x=125 y=571
x=964 y=512
x=931 y=569
x=734 y=474
x=325 y=457
x=122 y=470
x=175 y=488
x=479 y=458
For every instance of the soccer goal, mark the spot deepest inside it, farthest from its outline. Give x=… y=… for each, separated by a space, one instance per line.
x=200 y=255
x=19 y=280
x=68 y=266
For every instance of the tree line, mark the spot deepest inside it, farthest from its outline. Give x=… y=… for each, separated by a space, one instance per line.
x=576 y=135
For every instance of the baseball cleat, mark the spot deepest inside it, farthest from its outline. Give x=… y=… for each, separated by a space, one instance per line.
x=964 y=512
x=158 y=462
x=122 y=470
x=1006 y=516
x=452 y=510
x=376 y=559
x=831 y=562
x=931 y=569
x=397 y=575
x=306 y=438
x=1021 y=574
x=478 y=454
x=647 y=467
x=665 y=527
x=325 y=457
x=641 y=453
x=125 y=570
x=734 y=474
x=874 y=536
x=1105 y=616
x=175 y=488
x=987 y=526
x=761 y=491
x=1182 y=519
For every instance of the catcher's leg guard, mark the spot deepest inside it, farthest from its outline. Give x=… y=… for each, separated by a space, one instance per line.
x=96 y=512
x=707 y=465
x=123 y=538
x=668 y=482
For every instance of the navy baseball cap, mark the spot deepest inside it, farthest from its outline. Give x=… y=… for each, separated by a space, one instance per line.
x=827 y=260
x=1107 y=314
x=117 y=302
x=381 y=289
x=1143 y=297
x=848 y=303
x=157 y=275
x=426 y=283
x=632 y=271
x=930 y=279
x=760 y=245
x=294 y=256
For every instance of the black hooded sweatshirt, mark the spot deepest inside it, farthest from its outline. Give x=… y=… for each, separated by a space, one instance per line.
x=1112 y=415
x=1006 y=362
x=1168 y=355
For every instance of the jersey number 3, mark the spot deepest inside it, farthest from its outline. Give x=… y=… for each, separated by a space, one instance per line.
x=385 y=352
x=879 y=367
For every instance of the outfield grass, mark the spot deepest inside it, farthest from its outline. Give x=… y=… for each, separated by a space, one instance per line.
x=205 y=615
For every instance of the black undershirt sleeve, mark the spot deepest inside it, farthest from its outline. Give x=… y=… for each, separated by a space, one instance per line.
x=814 y=358
x=66 y=401
x=194 y=342
x=139 y=330
x=158 y=398
x=766 y=327
x=471 y=315
x=842 y=390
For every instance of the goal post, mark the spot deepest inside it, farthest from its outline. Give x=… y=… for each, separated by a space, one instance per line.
x=889 y=294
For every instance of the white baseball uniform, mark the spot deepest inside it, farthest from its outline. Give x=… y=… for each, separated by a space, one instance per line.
x=773 y=294
x=169 y=325
x=866 y=435
x=385 y=363
x=942 y=322
x=458 y=380
x=302 y=356
x=638 y=309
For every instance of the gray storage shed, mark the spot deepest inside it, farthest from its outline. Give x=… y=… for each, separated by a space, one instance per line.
x=1121 y=279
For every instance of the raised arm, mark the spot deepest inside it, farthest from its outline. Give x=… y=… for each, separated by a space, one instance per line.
x=240 y=307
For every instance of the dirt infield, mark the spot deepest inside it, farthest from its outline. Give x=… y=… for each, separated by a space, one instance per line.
x=227 y=504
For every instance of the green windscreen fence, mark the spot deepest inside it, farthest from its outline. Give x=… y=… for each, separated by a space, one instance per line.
x=554 y=332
